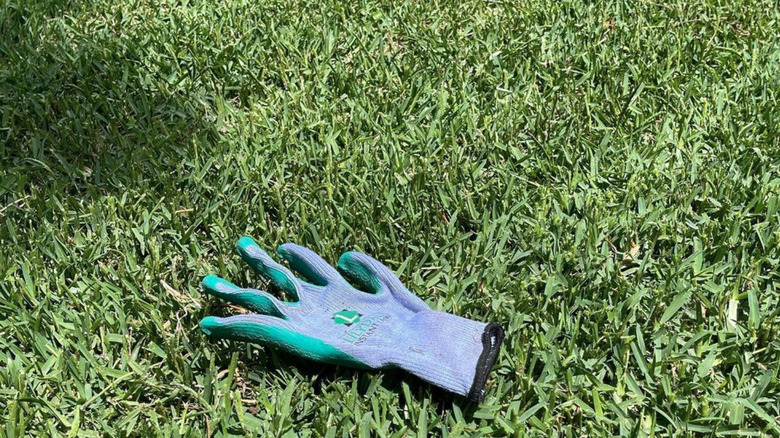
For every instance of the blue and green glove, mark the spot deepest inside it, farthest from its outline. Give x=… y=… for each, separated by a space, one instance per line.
x=330 y=321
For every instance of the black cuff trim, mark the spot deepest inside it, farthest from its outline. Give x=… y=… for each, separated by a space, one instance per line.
x=491 y=341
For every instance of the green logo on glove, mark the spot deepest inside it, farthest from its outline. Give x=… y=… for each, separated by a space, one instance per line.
x=346 y=317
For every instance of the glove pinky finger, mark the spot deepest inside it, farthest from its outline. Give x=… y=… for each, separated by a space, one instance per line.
x=278 y=333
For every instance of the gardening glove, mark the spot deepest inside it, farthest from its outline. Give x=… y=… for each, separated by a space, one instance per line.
x=330 y=321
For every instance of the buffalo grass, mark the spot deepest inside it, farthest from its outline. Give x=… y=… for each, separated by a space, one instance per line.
x=599 y=177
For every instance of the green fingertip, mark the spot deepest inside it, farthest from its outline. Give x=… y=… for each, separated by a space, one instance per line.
x=214 y=283
x=209 y=281
x=266 y=266
x=208 y=324
x=245 y=242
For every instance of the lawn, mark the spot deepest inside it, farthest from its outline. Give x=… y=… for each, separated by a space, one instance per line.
x=600 y=178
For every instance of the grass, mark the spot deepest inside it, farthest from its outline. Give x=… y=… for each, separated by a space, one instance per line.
x=600 y=178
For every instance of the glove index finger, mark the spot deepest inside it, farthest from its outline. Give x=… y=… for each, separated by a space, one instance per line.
x=252 y=299
x=277 y=274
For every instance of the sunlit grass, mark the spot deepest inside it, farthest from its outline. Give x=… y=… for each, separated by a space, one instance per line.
x=601 y=179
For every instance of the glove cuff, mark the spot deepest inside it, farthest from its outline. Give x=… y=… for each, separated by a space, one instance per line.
x=448 y=351
x=491 y=343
